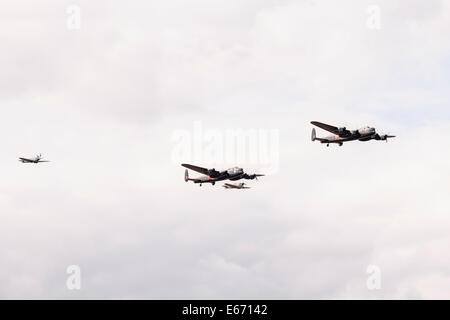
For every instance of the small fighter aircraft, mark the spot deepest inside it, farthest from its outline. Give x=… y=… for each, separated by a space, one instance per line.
x=341 y=135
x=212 y=175
x=235 y=186
x=37 y=159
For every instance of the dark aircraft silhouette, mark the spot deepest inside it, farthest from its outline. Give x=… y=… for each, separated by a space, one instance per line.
x=341 y=135
x=37 y=159
x=212 y=175
x=235 y=186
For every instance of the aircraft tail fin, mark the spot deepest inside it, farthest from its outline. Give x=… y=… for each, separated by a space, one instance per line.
x=313 y=135
x=186 y=176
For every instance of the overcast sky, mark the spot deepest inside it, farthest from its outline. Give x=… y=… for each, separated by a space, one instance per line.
x=108 y=100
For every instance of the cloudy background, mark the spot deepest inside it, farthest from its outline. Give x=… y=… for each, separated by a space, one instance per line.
x=104 y=103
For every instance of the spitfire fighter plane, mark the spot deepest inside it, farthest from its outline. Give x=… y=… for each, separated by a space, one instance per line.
x=37 y=159
x=235 y=186
x=341 y=135
x=212 y=175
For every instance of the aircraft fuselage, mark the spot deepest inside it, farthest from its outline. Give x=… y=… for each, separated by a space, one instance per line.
x=363 y=134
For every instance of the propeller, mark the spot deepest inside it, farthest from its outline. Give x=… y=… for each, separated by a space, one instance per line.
x=387 y=136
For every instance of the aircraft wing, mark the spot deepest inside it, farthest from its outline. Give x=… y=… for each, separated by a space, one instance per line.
x=327 y=127
x=26 y=160
x=229 y=185
x=232 y=186
x=197 y=169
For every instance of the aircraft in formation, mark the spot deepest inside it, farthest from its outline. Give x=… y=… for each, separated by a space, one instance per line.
x=341 y=135
x=235 y=186
x=37 y=159
x=212 y=175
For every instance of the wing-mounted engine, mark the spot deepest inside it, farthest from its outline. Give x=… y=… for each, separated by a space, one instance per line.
x=213 y=173
x=380 y=136
x=343 y=132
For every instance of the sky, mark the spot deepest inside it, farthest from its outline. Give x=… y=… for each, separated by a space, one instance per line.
x=118 y=94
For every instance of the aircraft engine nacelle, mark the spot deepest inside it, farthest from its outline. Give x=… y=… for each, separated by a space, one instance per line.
x=342 y=130
x=212 y=172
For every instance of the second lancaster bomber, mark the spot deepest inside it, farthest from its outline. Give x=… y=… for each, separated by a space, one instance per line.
x=341 y=135
x=212 y=175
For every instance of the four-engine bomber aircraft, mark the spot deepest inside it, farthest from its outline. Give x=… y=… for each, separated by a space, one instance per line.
x=37 y=159
x=341 y=135
x=212 y=175
x=235 y=186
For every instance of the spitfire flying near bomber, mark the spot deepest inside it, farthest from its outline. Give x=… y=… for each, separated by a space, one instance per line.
x=341 y=135
x=212 y=175
x=235 y=186
x=37 y=159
